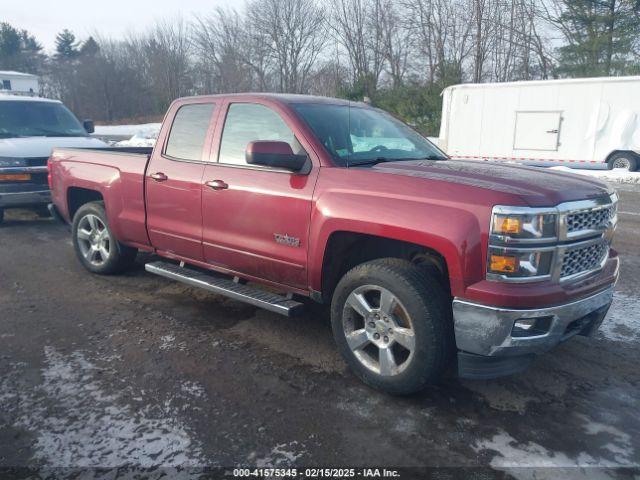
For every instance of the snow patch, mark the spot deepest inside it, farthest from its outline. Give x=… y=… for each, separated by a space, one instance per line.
x=78 y=424
x=127 y=129
x=530 y=460
x=193 y=389
x=617 y=175
x=283 y=455
x=623 y=320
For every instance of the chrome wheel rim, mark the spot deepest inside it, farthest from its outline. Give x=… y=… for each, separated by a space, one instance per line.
x=378 y=330
x=622 y=162
x=94 y=240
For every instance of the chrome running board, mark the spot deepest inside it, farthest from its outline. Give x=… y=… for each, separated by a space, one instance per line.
x=227 y=287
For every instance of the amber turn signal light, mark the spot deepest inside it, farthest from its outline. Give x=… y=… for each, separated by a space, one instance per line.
x=503 y=264
x=507 y=225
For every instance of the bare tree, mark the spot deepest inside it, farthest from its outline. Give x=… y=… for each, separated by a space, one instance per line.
x=221 y=52
x=294 y=36
x=395 y=41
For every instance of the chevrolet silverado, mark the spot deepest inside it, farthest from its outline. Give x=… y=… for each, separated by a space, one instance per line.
x=426 y=262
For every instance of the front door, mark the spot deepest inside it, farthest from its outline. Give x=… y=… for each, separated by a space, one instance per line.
x=174 y=184
x=256 y=219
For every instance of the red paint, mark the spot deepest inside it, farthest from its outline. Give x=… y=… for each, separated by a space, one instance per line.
x=444 y=206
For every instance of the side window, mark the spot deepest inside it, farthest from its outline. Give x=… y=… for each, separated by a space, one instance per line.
x=249 y=122
x=188 y=131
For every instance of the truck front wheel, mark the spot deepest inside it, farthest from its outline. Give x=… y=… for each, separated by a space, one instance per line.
x=392 y=323
x=96 y=247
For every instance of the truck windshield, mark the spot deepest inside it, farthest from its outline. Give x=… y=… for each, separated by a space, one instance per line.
x=37 y=119
x=359 y=135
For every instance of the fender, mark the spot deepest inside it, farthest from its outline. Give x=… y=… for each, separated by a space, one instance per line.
x=399 y=218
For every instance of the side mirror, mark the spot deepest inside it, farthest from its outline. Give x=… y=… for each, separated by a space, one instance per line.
x=276 y=155
x=89 y=126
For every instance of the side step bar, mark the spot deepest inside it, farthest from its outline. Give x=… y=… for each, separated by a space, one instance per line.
x=224 y=286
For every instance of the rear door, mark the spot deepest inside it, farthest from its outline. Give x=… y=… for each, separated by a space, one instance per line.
x=537 y=131
x=257 y=224
x=174 y=182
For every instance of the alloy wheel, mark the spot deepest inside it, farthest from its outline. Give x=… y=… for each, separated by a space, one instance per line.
x=94 y=240
x=379 y=330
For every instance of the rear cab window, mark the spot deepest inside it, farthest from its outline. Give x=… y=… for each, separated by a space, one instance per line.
x=189 y=132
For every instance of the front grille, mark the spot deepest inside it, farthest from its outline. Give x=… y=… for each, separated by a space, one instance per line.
x=584 y=259
x=37 y=161
x=590 y=219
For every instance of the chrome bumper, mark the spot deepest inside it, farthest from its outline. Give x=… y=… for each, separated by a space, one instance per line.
x=484 y=330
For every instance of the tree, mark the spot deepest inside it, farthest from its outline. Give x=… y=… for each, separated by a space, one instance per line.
x=19 y=50
x=89 y=48
x=599 y=36
x=294 y=36
x=66 y=45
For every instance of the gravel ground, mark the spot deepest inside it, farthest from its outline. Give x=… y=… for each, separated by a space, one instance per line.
x=136 y=370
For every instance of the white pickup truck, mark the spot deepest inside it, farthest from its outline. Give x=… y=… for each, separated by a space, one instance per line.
x=30 y=127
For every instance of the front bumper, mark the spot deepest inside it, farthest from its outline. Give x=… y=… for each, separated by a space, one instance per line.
x=489 y=348
x=24 y=195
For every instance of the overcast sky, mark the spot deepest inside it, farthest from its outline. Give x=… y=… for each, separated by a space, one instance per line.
x=45 y=18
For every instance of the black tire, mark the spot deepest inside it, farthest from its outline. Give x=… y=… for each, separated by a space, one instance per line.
x=427 y=307
x=627 y=160
x=1 y=215
x=113 y=257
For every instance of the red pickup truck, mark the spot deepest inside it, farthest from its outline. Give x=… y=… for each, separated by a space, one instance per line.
x=426 y=262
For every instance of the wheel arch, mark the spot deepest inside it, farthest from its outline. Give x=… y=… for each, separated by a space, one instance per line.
x=346 y=249
x=79 y=196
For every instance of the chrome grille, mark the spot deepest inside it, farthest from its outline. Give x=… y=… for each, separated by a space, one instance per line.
x=584 y=259
x=590 y=219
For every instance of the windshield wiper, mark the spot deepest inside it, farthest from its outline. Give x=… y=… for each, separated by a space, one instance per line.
x=377 y=160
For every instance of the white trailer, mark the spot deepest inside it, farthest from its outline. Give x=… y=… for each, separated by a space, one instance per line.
x=580 y=123
x=18 y=83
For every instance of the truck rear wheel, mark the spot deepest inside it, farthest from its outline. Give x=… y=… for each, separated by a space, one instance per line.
x=392 y=323
x=96 y=247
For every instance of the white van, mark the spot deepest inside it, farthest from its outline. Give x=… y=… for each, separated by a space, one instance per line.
x=30 y=128
x=580 y=123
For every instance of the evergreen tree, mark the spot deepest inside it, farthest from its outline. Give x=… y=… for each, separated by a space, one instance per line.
x=90 y=47
x=19 y=50
x=599 y=36
x=66 y=45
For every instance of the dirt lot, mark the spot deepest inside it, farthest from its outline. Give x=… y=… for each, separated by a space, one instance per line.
x=136 y=370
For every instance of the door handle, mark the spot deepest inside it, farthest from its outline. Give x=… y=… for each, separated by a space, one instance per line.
x=159 y=177
x=217 y=184
x=552 y=131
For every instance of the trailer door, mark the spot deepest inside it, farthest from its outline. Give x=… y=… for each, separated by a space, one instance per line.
x=537 y=131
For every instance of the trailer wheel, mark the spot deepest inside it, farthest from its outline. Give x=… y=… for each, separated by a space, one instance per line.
x=95 y=246
x=392 y=324
x=624 y=160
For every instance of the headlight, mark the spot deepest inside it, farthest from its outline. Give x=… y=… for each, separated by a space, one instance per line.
x=514 y=224
x=512 y=234
x=520 y=263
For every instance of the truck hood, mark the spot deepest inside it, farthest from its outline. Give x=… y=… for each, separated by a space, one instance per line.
x=39 y=147
x=537 y=187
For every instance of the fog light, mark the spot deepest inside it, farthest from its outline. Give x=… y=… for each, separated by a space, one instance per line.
x=503 y=264
x=531 y=327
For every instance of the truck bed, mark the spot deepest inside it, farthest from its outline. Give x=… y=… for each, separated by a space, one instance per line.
x=117 y=173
